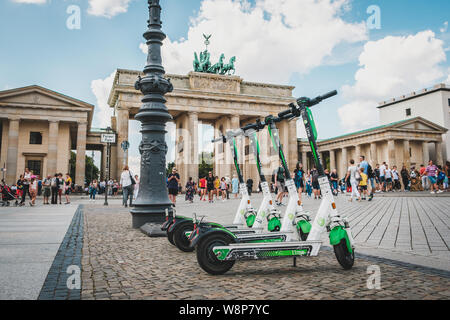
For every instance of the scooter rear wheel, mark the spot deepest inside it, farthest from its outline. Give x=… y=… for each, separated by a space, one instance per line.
x=170 y=237
x=179 y=237
x=206 y=257
x=345 y=258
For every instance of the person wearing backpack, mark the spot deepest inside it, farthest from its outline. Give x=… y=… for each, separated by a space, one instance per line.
x=354 y=176
x=127 y=182
x=298 y=179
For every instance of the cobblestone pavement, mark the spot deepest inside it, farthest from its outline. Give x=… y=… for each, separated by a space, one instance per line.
x=121 y=263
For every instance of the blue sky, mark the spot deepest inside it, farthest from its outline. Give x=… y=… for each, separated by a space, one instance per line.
x=38 y=48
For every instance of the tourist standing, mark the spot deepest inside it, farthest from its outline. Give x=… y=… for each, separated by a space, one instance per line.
x=308 y=184
x=190 y=190
x=47 y=186
x=431 y=172
x=334 y=181
x=54 y=189
x=93 y=187
x=388 y=177
x=26 y=185
x=315 y=183
x=223 y=188
x=33 y=189
x=126 y=183
x=67 y=187
x=363 y=184
x=210 y=187
x=19 y=190
x=235 y=186
x=202 y=185
x=217 y=187
x=396 y=179
x=279 y=176
x=424 y=177
x=298 y=179
x=173 y=185
x=383 y=169
x=354 y=177
x=405 y=178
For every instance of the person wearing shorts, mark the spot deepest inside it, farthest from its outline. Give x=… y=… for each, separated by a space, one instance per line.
x=173 y=185
x=431 y=172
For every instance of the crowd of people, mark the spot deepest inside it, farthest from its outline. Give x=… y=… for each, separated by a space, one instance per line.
x=53 y=188
x=361 y=181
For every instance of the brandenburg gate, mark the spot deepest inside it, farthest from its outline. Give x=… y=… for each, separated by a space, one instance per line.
x=224 y=101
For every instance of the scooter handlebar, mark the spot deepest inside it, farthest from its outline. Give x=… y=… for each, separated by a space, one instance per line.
x=329 y=95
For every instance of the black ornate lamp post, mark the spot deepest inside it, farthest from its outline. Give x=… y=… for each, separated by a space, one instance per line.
x=153 y=200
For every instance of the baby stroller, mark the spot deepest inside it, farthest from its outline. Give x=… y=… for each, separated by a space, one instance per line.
x=7 y=195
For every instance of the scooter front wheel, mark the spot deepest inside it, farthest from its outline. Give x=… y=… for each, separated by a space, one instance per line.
x=179 y=237
x=206 y=257
x=345 y=258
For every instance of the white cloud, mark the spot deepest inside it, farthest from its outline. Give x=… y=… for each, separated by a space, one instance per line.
x=101 y=89
x=108 y=8
x=31 y=1
x=271 y=39
x=391 y=67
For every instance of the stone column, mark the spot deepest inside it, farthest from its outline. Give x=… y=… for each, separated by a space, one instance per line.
x=425 y=153
x=228 y=157
x=81 y=154
x=344 y=162
x=12 y=152
x=293 y=145
x=439 y=158
x=332 y=159
x=52 y=156
x=305 y=159
x=235 y=123
x=357 y=153
x=123 y=117
x=391 y=153
x=406 y=154
x=373 y=154
x=193 y=131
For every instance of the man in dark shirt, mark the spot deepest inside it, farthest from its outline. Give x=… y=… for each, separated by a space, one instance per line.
x=210 y=186
x=334 y=181
x=250 y=186
x=173 y=182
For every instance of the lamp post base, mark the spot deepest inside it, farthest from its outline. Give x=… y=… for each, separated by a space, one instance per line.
x=143 y=215
x=153 y=230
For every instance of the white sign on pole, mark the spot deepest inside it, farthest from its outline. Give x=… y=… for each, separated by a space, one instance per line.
x=108 y=138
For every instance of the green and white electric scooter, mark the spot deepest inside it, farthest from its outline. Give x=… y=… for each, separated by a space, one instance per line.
x=245 y=217
x=218 y=249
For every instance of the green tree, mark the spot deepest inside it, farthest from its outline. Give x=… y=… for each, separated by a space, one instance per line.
x=206 y=164
x=170 y=166
x=91 y=170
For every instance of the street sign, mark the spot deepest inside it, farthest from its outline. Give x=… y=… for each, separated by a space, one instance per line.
x=108 y=138
x=125 y=145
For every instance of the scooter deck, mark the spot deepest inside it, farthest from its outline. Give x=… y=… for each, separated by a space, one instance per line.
x=264 y=251
x=263 y=237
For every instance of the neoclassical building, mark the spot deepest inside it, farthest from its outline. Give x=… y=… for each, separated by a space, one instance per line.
x=39 y=128
x=400 y=143
x=225 y=102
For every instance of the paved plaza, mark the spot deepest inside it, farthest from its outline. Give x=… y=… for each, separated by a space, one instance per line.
x=406 y=237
